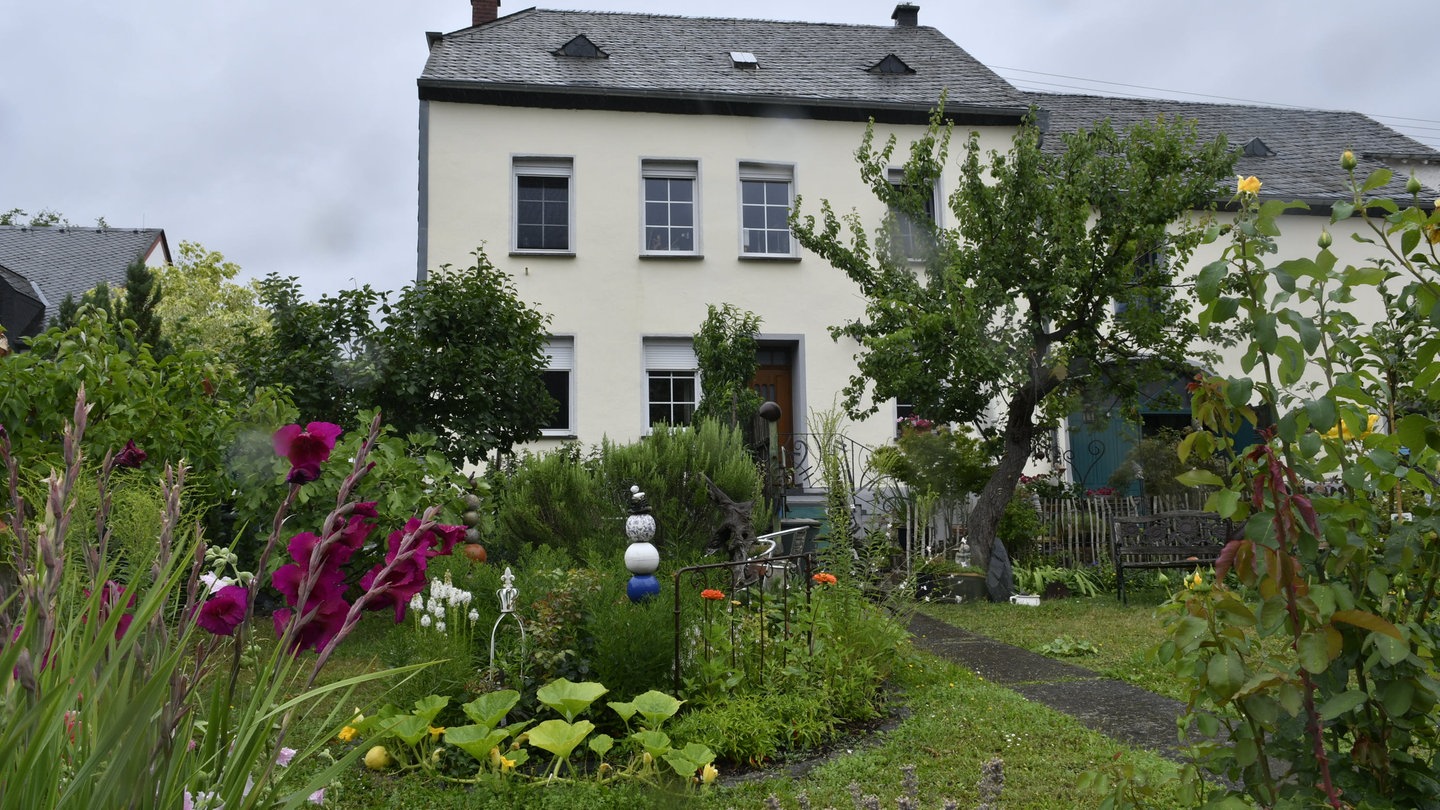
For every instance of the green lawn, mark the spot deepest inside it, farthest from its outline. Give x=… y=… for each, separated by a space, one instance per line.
x=1121 y=635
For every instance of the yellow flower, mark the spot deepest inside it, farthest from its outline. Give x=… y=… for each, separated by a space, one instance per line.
x=347 y=734
x=1347 y=160
x=506 y=765
x=435 y=733
x=378 y=759
x=1247 y=185
x=1194 y=581
x=1342 y=431
x=708 y=774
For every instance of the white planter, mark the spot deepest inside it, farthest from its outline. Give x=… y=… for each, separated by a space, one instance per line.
x=1026 y=599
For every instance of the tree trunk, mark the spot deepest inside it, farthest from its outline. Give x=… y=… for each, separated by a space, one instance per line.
x=1017 y=441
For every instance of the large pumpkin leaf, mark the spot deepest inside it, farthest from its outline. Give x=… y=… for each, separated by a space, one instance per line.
x=568 y=698
x=475 y=740
x=560 y=737
x=490 y=708
x=657 y=707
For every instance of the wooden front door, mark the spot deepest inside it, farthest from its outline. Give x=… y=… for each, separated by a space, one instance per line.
x=774 y=383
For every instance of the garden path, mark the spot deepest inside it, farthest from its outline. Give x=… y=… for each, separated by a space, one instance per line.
x=1135 y=716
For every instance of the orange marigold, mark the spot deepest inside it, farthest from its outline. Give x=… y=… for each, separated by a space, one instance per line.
x=825 y=578
x=712 y=594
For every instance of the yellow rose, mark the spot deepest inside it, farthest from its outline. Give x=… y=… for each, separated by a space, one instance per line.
x=1248 y=185
x=708 y=774
x=1341 y=431
x=347 y=734
x=378 y=759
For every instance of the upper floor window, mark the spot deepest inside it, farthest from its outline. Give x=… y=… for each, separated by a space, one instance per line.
x=672 y=385
x=766 y=191
x=913 y=238
x=560 y=384
x=544 y=213
x=669 y=188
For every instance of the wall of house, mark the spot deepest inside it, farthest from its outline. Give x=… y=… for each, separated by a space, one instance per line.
x=606 y=296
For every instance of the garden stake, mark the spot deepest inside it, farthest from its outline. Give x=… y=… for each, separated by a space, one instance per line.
x=507 y=596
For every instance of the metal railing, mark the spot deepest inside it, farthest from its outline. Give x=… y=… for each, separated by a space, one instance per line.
x=756 y=615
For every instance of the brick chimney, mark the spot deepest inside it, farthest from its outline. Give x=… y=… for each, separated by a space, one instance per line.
x=484 y=11
x=907 y=15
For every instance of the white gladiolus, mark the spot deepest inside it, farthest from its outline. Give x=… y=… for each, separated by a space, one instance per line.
x=425 y=620
x=440 y=626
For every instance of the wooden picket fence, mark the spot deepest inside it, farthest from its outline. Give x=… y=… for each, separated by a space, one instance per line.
x=1077 y=530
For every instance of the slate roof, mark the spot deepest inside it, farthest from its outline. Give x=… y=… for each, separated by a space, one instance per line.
x=653 y=57
x=1306 y=143
x=68 y=260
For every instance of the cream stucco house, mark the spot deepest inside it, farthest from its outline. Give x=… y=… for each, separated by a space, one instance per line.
x=630 y=169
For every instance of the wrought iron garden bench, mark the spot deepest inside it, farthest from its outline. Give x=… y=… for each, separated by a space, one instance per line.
x=1187 y=539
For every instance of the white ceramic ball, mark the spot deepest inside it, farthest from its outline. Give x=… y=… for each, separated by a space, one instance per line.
x=642 y=558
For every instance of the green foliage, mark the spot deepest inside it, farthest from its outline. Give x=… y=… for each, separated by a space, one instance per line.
x=667 y=465
x=1015 y=302
x=204 y=308
x=141 y=305
x=550 y=499
x=1078 y=581
x=1156 y=464
x=725 y=351
x=949 y=463
x=1322 y=658
x=1019 y=525
x=1067 y=647
x=633 y=644
x=158 y=403
x=461 y=357
x=577 y=504
x=322 y=352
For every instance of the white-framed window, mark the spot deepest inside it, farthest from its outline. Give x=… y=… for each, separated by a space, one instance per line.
x=544 y=208
x=913 y=239
x=670 y=199
x=766 y=192
x=559 y=376
x=672 y=381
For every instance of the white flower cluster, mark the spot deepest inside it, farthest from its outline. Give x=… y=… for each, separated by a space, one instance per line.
x=445 y=602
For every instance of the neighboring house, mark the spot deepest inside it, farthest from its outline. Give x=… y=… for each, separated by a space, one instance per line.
x=1296 y=155
x=629 y=169
x=40 y=266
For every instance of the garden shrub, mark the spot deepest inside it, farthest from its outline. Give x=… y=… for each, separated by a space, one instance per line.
x=667 y=465
x=549 y=499
x=1019 y=525
x=633 y=648
x=1324 y=659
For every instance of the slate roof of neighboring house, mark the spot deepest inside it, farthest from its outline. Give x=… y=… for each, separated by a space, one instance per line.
x=651 y=58
x=1307 y=144
x=67 y=260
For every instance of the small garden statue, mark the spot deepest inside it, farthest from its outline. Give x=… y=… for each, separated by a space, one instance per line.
x=641 y=556
x=507 y=595
x=735 y=534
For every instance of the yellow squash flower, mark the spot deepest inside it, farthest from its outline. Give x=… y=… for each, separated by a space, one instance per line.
x=435 y=733
x=347 y=734
x=506 y=765
x=708 y=774
x=1247 y=185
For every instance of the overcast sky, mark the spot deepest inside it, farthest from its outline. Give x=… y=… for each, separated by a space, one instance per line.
x=283 y=132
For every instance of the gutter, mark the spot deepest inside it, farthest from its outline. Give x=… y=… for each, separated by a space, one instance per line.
x=682 y=102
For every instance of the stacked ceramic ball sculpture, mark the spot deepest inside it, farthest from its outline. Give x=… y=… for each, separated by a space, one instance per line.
x=641 y=556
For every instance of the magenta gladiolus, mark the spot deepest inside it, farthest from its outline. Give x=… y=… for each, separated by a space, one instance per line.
x=131 y=456
x=224 y=611
x=306 y=448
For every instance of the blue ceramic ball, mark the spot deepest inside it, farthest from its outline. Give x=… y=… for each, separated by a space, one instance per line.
x=643 y=587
